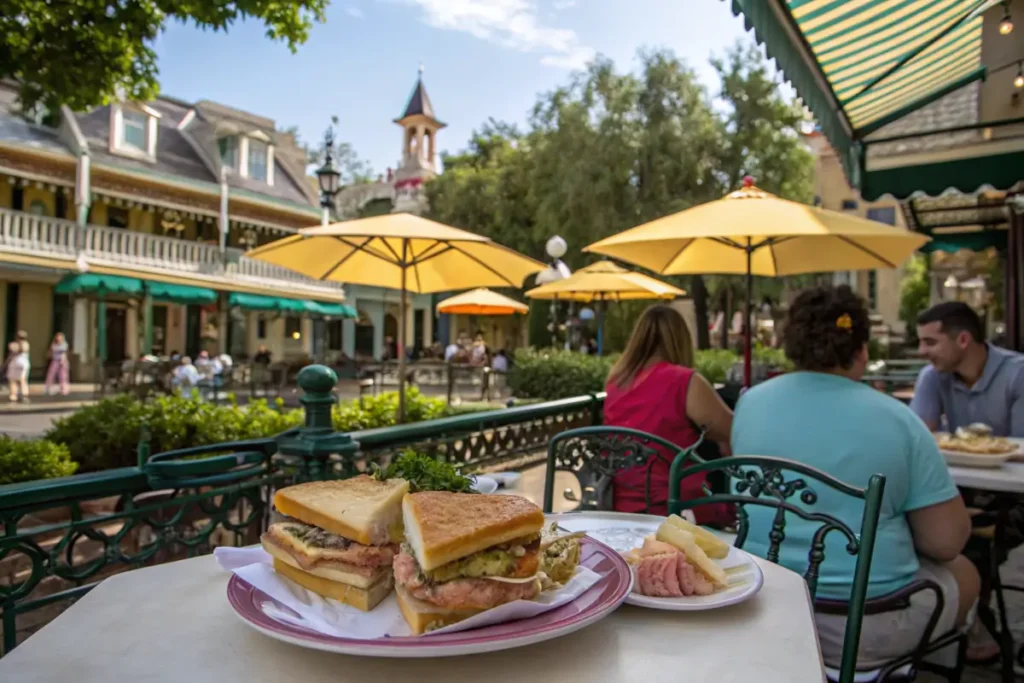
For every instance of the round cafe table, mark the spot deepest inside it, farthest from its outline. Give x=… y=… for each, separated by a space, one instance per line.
x=173 y=623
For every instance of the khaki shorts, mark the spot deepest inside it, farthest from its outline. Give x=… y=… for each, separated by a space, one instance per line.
x=891 y=635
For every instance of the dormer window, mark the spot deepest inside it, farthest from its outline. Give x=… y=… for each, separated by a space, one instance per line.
x=134 y=130
x=228 y=146
x=134 y=124
x=258 y=160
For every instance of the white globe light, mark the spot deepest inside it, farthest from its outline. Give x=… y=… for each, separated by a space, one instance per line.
x=556 y=247
x=587 y=314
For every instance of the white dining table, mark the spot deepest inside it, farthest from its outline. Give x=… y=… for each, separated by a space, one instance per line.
x=173 y=622
x=1009 y=478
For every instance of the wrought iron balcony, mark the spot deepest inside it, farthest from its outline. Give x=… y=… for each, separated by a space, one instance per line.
x=31 y=235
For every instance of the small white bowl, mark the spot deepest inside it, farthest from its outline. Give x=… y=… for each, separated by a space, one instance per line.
x=484 y=484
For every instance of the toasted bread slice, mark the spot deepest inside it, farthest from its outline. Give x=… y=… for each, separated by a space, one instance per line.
x=443 y=527
x=361 y=508
x=360 y=598
x=423 y=617
x=336 y=571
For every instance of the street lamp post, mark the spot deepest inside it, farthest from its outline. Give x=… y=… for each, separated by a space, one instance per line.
x=328 y=177
x=556 y=270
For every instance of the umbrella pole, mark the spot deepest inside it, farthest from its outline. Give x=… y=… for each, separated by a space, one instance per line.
x=747 y=331
x=401 y=344
x=600 y=326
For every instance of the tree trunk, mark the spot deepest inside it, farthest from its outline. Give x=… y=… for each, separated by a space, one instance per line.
x=700 y=309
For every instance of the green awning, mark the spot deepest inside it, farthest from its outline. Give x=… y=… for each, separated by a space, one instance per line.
x=859 y=66
x=258 y=302
x=974 y=241
x=180 y=294
x=335 y=310
x=93 y=283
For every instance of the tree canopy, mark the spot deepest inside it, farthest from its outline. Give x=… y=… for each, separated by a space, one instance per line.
x=86 y=52
x=610 y=150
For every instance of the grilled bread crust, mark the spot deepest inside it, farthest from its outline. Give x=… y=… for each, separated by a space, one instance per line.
x=361 y=598
x=361 y=508
x=442 y=527
x=423 y=617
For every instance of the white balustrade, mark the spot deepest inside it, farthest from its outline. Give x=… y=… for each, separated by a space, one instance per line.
x=30 y=234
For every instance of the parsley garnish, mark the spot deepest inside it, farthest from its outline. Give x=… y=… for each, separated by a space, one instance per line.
x=424 y=473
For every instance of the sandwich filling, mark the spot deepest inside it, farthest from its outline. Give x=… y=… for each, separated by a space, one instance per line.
x=485 y=579
x=315 y=548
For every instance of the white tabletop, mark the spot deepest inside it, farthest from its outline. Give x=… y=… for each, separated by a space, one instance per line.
x=1006 y=479
x=173 y=623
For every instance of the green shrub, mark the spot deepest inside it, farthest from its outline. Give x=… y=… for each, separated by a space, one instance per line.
x=106 y=434
x=31 y=460
x=553 y=373
x=714 y=364
x=774 y=358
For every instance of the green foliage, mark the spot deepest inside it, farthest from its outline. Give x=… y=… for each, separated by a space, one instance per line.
x=31 y=460
x=914 y=293
x=425 y=473
x=773 y=358
x=554 y=373
x=372 y=412
x=714 y=364
x=106 y=434
x=86 y=53
x=608 y=151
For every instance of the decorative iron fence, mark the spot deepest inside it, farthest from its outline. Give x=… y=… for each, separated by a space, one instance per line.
x=60 y=537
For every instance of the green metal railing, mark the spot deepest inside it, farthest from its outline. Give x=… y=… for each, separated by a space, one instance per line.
x=61 y=537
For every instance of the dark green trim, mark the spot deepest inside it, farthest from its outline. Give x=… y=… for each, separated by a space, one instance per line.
x=1001 y=171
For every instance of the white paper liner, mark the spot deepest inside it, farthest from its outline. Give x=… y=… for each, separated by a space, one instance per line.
x=333 y=618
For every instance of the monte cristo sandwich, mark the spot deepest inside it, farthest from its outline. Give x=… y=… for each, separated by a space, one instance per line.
x=341 y=537
x=465 y=553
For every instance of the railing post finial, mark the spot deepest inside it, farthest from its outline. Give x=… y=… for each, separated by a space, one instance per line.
x=317 y=383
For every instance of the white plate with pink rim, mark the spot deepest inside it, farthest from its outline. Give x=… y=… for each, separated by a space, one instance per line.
x=625 y=531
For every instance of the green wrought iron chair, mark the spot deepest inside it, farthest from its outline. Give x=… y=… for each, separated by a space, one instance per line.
x=595 y=455
x=763 y=481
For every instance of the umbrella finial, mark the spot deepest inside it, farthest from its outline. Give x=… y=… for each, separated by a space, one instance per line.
x=748 y=181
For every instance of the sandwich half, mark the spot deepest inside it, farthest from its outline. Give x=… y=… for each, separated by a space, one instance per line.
x=465 y=553
x=341 y=537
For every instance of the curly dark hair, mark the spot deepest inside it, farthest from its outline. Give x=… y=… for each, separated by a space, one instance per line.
x=825 y=329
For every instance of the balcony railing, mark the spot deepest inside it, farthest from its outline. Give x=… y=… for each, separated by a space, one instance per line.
x=29 y=234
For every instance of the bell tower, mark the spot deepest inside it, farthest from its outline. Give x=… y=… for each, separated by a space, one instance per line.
x=419 y=152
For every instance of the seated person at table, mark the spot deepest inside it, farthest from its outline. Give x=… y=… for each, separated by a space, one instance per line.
x=824 y=417
x=969 y=380
x=185 y=376
x=654 y=388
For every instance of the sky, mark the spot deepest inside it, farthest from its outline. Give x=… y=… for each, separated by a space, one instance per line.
x=482 y=59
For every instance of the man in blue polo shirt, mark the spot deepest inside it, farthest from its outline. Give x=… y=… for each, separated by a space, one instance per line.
x=969 y=381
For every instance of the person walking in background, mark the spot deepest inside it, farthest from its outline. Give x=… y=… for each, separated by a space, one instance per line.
x=18 y=365
x=59 y=365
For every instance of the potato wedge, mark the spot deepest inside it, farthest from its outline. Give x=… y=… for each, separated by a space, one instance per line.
x=715 y=547
x=687 y=543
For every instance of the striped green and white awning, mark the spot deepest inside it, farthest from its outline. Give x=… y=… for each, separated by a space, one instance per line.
x=883 y=58
x=860 y=65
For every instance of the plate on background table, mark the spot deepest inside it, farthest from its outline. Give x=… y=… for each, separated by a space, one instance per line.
x=623 y=532
x=986 y=460
x=256 y=609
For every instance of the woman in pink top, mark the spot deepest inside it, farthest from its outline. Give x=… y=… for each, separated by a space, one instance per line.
x=653 y=388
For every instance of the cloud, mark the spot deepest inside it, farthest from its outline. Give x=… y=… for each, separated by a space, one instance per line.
x=563 y=4
x=354 y=12
x=513 y=24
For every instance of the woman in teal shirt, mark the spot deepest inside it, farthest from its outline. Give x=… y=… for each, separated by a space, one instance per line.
x=823 y=416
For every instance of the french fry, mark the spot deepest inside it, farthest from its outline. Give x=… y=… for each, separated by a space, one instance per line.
x=716 y=548
x=687 y=543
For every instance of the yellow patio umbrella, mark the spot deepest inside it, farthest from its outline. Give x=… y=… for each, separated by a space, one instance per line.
x=400 y=251
x=605 y=281
x=482 y=302
x=753 y=232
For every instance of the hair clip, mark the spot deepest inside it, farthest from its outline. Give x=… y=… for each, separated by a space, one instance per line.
x=844 y=322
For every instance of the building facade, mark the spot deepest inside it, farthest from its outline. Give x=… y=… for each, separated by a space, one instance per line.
x=880 y=288
x=126 y=228
x=399 y=191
